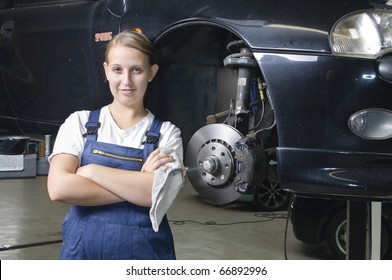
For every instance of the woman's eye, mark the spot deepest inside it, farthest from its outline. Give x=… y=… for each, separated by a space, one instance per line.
x=137 y=70
x=116 y=69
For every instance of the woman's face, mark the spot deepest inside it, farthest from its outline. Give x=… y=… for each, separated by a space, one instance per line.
x=128 y=72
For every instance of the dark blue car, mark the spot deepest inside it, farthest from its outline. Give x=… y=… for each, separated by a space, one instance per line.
x=272 y=96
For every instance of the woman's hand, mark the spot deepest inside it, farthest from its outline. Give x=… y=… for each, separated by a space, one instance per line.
x=156 y=160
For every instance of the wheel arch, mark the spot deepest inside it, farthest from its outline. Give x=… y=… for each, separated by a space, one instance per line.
x=192 y=82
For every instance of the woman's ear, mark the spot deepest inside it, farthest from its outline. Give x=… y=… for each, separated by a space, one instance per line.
x=105 y=67
x=153 y=71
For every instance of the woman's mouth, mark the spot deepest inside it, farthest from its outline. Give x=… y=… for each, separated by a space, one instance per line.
x=127 y=91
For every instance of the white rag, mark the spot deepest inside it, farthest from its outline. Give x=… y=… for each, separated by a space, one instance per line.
x=166 y=186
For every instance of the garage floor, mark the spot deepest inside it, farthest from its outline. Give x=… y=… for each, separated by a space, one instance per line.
x=31 y=227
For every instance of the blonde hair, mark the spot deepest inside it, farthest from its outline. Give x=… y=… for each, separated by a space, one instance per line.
x=132 y=39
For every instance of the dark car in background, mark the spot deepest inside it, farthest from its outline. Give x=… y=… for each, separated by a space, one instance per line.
x=272 y=96
x=318 y=219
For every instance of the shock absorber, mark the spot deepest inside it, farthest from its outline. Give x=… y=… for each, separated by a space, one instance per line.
x=245 y=63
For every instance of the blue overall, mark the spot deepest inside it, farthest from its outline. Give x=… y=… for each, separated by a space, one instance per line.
x=120 y=230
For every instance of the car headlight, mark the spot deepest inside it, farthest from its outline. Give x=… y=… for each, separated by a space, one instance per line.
x=372 y=123
x=366 y=34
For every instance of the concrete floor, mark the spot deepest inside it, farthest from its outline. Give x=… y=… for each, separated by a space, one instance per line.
x=31 y=227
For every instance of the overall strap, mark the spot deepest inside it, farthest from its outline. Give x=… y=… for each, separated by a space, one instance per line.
x=152 y=138
x=92 y=126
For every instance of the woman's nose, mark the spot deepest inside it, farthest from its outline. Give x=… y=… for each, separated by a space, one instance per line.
x=127 y=79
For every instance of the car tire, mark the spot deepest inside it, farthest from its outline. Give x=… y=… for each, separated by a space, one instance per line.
x=336 y=234
x=271 y=197
x=337 y=238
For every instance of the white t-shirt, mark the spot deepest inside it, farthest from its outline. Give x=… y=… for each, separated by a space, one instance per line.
x=70 y=138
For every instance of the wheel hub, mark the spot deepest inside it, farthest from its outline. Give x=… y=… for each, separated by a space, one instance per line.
x=216 y=163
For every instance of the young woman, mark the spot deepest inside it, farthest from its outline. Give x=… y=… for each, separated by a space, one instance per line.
x=103 y=164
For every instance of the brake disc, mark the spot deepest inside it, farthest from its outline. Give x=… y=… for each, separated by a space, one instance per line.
x=211 y=163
